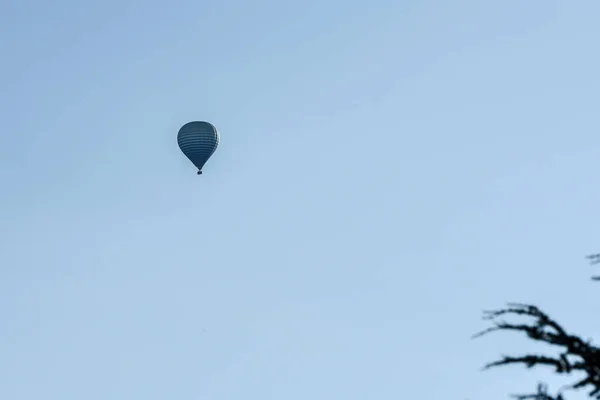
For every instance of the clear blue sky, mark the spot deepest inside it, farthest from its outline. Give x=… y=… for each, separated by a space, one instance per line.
x=387 y=170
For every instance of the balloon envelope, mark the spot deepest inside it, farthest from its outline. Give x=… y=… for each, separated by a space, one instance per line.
x=198 y=140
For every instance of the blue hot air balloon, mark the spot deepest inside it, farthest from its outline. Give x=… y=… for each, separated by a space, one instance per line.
x=198 y=140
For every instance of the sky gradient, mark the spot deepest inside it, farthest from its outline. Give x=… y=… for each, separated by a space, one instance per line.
x=387 y=170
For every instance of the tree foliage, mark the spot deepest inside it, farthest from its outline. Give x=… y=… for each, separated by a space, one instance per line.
x=575 y=355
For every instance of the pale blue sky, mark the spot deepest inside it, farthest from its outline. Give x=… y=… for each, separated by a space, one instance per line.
x=387 y=170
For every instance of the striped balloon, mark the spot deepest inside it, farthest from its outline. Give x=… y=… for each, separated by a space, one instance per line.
x=198 y=140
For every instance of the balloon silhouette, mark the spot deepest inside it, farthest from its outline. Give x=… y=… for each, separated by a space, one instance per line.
x=198 y=140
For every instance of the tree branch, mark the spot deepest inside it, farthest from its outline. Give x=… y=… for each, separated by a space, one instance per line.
x=594 y=260
x=541 y=394
x=575 y=355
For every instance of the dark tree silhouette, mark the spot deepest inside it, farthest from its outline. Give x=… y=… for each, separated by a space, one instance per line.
x=575 y=354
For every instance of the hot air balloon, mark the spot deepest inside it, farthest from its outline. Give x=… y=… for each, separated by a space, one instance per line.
x=198 y=140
